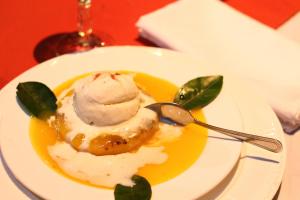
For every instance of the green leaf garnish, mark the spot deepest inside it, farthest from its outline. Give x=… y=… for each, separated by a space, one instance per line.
x=37 y=98
x=140 y=191
x=199 y=92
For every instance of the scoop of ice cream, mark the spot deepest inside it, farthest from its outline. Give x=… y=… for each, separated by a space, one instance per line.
x=106 y=99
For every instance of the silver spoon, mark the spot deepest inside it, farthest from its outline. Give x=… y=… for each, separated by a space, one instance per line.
x=178 y=115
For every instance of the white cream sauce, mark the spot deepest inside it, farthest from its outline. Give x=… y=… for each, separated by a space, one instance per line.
x=104 y=170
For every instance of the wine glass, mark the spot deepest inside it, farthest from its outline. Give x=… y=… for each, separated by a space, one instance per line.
x=81 y=40
x=84 y=39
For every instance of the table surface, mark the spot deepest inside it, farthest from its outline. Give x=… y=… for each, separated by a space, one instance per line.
x=24 y=23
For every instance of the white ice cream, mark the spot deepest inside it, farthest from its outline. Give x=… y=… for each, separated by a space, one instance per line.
x=106 y=99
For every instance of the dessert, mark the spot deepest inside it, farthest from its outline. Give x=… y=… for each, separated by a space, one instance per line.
x=76 y=148
x=105 y=115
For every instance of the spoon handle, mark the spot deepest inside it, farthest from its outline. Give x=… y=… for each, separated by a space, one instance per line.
x=263 y=142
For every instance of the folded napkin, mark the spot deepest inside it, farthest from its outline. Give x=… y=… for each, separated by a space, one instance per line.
x=241 y=45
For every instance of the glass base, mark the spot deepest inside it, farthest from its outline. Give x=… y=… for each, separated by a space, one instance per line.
x=73 y=42
x=64 y=43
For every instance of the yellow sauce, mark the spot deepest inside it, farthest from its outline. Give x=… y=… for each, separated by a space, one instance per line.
x=182 y=152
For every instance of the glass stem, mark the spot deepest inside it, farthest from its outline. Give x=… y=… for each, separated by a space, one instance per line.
x=84 y=23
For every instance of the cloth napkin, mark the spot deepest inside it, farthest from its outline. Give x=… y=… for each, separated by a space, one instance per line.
x=241 y=45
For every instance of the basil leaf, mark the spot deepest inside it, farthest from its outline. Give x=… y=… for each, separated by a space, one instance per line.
x=199 y=92
x=37 y=98
x=140 y=191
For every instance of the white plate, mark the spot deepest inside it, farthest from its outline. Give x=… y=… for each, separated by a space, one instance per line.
x=216 y=162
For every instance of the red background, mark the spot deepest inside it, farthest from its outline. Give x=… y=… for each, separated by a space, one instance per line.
x=24 y=23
